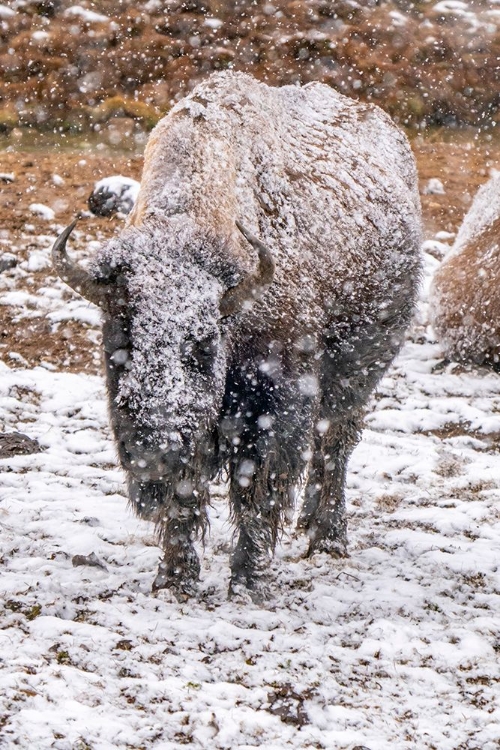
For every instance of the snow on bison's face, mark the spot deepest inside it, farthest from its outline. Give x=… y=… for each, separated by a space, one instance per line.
x=164 y=308
x=166 y=365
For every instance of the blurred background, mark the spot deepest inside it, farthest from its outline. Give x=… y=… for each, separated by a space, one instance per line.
x=74 y=67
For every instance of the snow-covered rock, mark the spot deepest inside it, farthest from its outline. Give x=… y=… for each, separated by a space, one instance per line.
x=112 y=195
x=434 y=187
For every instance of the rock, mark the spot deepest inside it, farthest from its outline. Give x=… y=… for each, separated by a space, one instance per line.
x=15 y=444
x=91 y=560
x=7 y=260
x=112 y=195
x=434 y=187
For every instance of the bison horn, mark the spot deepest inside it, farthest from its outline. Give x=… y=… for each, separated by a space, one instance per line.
x=234 y=299
x=71 y=273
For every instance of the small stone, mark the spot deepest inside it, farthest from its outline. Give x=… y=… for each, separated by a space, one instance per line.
x=91 y=560
x=17 y=444
x=7 y=261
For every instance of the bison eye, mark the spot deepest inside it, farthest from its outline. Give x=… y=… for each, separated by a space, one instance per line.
x=198 y=355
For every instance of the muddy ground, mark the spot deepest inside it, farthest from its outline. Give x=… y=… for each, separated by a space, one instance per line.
x=62 y=179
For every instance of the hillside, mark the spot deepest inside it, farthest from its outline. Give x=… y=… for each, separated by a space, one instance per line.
x=76 y=66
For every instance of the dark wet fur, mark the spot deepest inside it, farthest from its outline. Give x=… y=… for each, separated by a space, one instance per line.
x=264 y=465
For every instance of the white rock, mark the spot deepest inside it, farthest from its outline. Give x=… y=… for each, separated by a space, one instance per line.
x=434 y=187
x=113 y=194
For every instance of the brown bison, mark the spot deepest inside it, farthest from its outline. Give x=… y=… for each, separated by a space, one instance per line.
x=252 y=348
x=464 y=292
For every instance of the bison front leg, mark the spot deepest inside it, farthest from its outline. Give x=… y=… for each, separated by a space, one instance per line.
x=264 y=440
x=178 y=520
x=256 y=509
x=323 y=512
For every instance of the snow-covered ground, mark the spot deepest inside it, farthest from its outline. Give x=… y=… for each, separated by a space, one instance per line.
x=397 y=646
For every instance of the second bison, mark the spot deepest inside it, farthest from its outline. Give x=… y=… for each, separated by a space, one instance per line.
x=261 y=288
x=463 y=296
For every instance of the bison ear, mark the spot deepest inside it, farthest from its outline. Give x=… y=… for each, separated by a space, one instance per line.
x=253 y=284
x=72 y=274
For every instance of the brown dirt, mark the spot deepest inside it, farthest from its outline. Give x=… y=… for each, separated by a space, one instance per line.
x=461 y=164
x=69 y=345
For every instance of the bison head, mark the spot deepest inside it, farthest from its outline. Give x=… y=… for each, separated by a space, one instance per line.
x=168 y=296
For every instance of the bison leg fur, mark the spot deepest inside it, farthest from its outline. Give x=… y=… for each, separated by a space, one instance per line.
x=178 y=523
x=265 y=465
x=358 y=362
x=256 y=505
x=323 y=512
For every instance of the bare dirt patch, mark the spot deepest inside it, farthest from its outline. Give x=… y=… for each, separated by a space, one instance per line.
x=61 y=181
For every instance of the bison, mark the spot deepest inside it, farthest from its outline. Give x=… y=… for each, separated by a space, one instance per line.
x=463 y=294
x=260 y=289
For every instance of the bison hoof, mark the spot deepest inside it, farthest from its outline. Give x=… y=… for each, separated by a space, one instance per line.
x=335 y=547
x=249 y=589
x=182 y=587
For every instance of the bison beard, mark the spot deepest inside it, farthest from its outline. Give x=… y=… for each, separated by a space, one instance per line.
x=253 y=354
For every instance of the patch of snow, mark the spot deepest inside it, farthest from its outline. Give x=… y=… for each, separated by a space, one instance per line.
x=451 y=6
x=79 y=310
x=398 y=18
x=89 y=16
x=38 y=260
x=6 y=12
x=44 y=212
x=443 y=236
x=213 y=23
x=40 y=36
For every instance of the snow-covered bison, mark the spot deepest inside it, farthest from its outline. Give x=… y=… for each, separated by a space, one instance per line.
x=259 y=291
x=464 y=293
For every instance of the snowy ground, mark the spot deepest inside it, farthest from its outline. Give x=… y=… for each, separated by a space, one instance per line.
x=397 y=646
